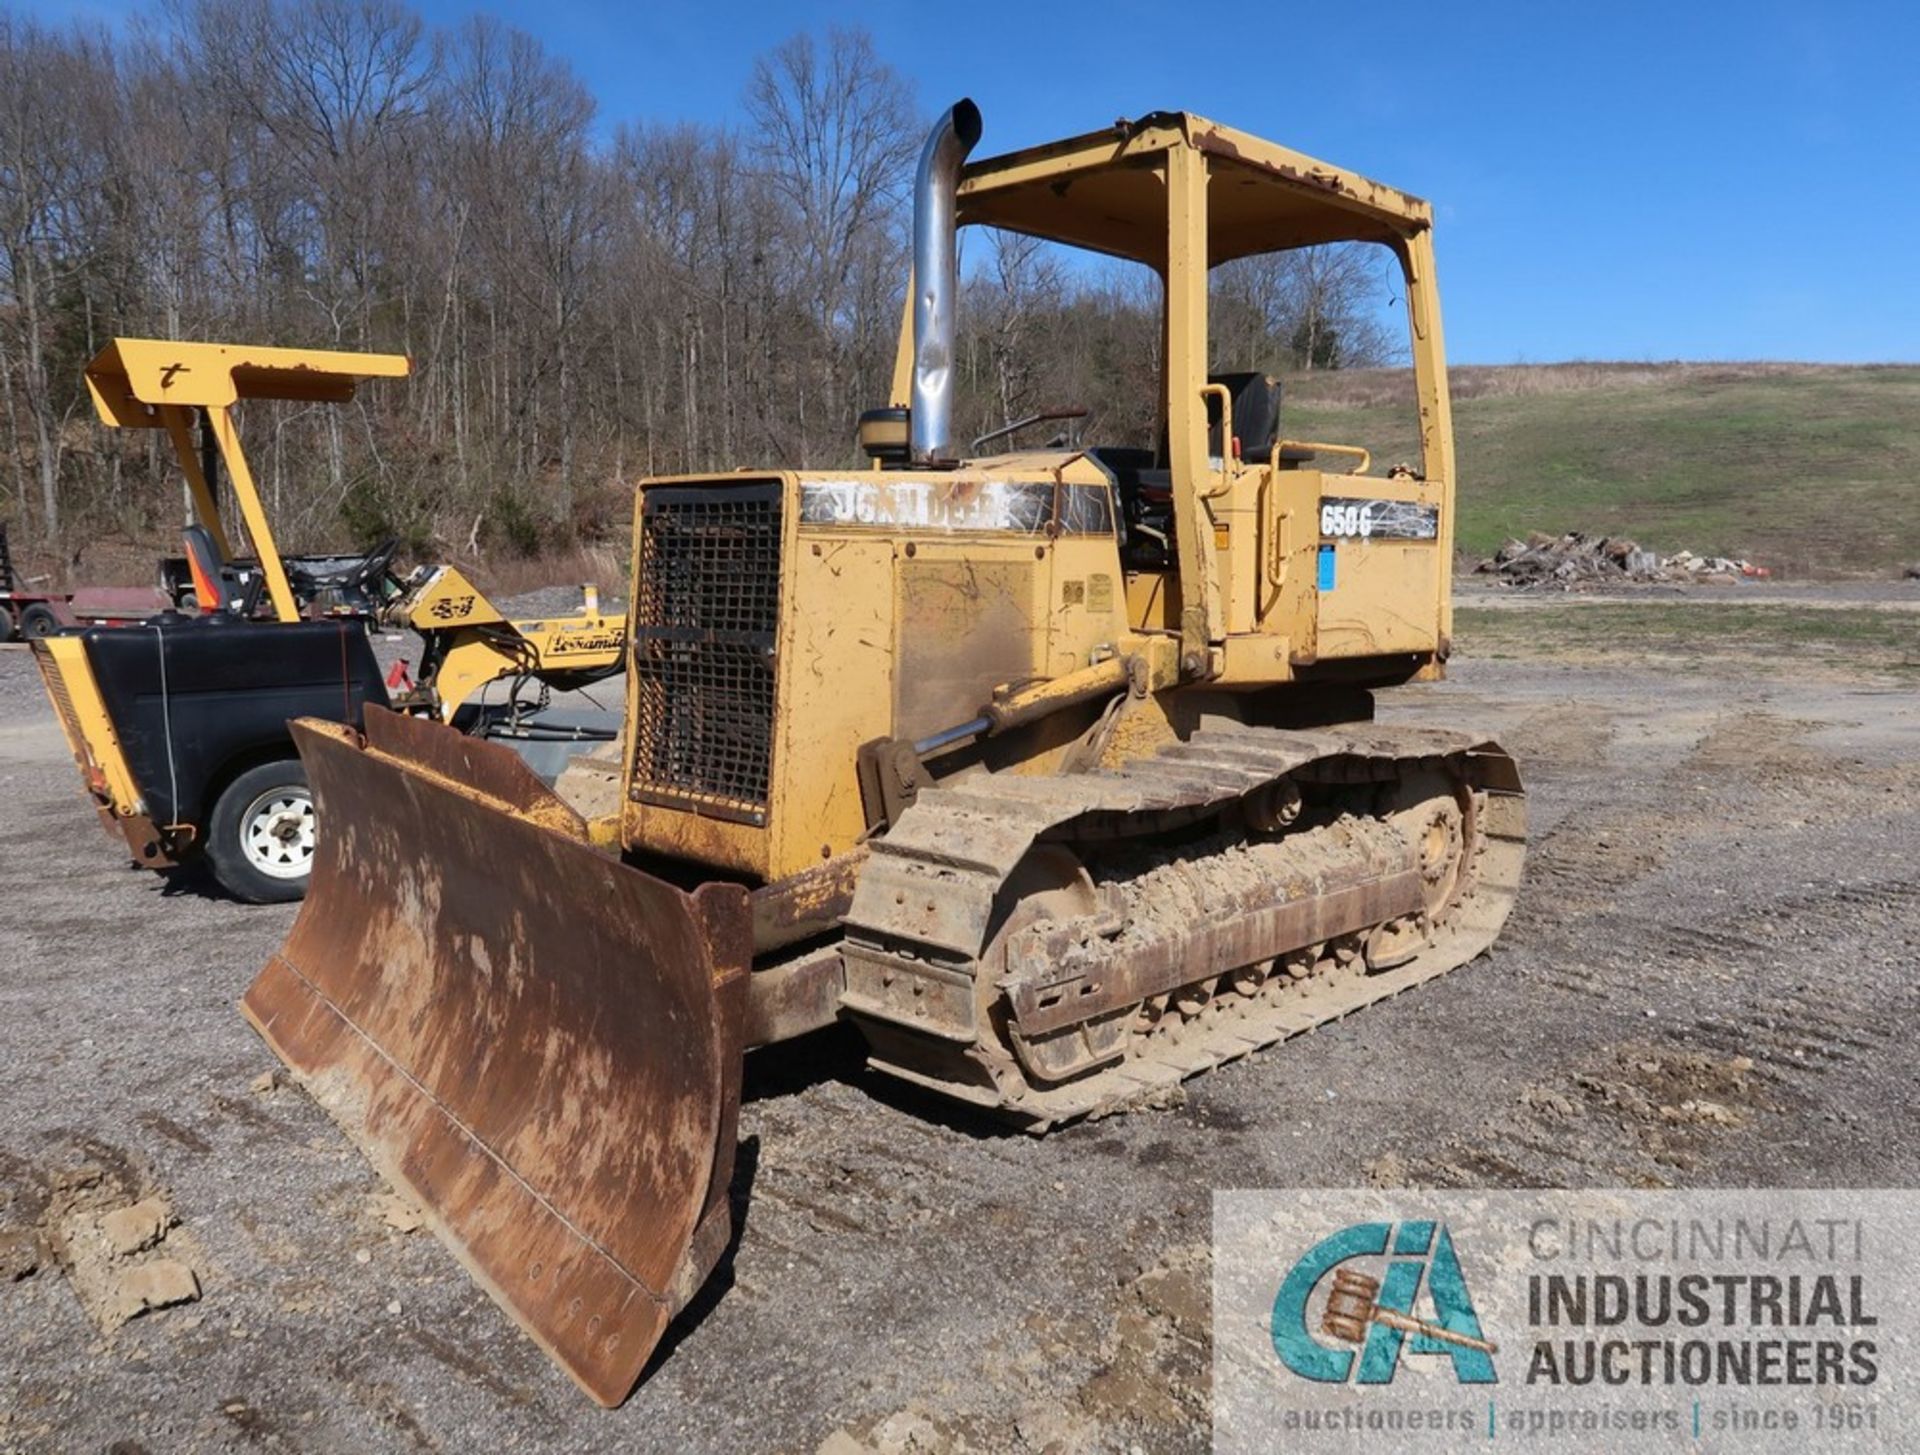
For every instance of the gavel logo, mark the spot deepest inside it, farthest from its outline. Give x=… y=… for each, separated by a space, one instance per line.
x=1353 y=1303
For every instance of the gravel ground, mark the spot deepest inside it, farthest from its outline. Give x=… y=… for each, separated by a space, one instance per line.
x=1721 y=908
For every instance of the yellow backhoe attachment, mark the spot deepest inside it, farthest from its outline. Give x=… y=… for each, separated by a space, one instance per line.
x=471 y=643
x=569 y=1131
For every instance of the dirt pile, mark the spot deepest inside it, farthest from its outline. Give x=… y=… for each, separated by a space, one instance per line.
x=1575 y=559
x=111 y=1230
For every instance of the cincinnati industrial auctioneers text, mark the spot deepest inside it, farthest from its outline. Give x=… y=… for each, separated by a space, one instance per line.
x=1581 y=1321
x=1733 y=1329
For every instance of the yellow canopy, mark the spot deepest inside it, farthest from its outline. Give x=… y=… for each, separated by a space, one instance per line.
x=132 y=378
x=145 y=383
x=1107 y=191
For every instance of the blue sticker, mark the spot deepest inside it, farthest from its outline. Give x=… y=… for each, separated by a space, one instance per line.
x=1325 y=581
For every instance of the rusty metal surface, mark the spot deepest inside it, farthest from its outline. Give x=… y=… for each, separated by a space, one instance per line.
x=1055 y=978
x=805 y=904
x=795 y=996
x=147 y=844
x=724 y=921
x=536 y=1042
x=472 y=766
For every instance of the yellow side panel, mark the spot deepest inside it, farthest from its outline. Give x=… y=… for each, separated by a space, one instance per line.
x=685 y=835
x=1089 y=601
x=84 y=720
x=1153 y=600
x=968 y=620
x=836 y=689
x=1280 y=534
x=1382 y=599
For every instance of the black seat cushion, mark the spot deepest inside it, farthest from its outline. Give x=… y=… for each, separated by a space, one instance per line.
x=1256 y=413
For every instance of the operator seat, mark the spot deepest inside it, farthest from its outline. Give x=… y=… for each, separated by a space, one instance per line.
x=1144 y=483
x=1255 y=413
x=219 y=588
x=208 y=570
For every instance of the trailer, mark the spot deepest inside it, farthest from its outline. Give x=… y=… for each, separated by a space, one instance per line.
x=27 y=614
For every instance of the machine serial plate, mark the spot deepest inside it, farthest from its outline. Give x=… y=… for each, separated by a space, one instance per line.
x=1345 y=518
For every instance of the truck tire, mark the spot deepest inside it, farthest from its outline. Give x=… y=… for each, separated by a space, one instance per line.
x=38 y=621
x=6 y=625
x=260 y=834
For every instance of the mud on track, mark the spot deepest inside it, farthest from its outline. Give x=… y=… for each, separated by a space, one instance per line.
x=1707 y=981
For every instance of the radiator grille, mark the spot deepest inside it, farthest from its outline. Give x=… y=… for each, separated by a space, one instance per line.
x=706 y=611
x=56 y=684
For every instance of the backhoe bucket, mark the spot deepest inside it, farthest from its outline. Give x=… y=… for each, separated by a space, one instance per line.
x=537 y=1043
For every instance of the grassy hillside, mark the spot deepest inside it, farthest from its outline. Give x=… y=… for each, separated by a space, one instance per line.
x=1813 y=470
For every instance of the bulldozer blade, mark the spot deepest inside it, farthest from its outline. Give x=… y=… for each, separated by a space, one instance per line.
x=537 y=1043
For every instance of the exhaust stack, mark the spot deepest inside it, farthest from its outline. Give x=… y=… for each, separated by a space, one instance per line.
x=936 y=280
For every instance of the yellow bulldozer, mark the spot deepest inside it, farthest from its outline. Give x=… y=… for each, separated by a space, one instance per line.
x=1053 y=772
x=179 y=724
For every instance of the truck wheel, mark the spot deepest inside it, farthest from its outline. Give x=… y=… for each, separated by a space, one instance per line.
x=6 y=625
x=38 y=621
x=260 y=836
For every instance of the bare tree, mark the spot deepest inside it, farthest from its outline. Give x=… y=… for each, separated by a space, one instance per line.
x=1310 y=308
x=579 y=310
x=51 y=224
x=835 y=135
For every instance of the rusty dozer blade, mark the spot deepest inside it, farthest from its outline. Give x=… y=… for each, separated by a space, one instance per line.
x=536 y=1042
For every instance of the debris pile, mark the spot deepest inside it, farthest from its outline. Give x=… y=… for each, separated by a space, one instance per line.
x=112 y=1232
x=1575 y=559
x=1683 y=564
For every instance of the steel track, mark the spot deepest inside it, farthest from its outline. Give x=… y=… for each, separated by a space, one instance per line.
x=933 y=898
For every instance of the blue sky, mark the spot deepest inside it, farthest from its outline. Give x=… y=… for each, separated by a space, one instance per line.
x=1632 y=181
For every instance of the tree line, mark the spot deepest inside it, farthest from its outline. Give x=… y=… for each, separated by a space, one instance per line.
x=583 y=305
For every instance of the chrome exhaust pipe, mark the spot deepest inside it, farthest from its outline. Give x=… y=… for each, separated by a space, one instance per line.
x=936 y=280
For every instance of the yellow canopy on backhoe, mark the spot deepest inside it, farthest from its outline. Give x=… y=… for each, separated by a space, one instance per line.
x=131 y=379
x=145 y=383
